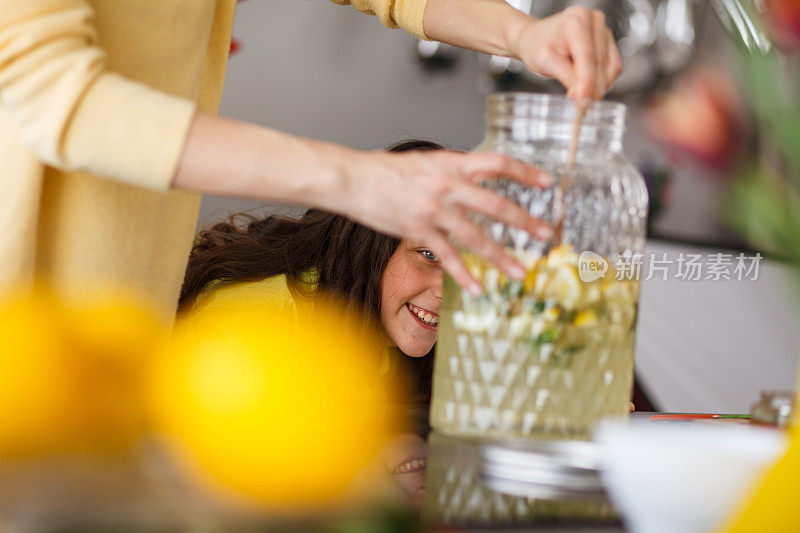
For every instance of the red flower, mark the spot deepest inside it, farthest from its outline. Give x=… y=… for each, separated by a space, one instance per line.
x=699 y=117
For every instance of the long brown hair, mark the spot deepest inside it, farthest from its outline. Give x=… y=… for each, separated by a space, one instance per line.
x=349 y=259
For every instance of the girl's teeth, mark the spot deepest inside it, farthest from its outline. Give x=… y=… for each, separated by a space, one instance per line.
x=426 y=317
x=412 y=465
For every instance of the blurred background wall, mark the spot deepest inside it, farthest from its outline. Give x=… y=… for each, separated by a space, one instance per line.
x=319 y=70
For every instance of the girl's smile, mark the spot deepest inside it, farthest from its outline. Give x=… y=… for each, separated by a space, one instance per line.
x=427 y=319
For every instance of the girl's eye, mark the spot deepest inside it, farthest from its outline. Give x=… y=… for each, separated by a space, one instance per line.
x=427 y=254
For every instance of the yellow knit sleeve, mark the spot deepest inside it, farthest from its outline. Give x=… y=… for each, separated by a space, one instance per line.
x=406 y=14
x=70 y=111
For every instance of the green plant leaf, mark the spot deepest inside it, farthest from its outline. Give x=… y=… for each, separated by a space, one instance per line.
x=774 y=95
x=766 y=210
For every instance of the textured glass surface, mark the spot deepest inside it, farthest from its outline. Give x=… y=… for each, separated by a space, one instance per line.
x=550 y=356
x=456 y=494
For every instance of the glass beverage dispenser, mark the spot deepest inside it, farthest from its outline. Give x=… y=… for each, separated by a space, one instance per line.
x=548 y=356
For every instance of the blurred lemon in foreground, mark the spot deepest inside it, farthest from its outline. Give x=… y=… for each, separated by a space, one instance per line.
x=280 y=414
x=773 y=504
x=113 y=324
x=62 y=386
x=113 y=335
x=35 y=384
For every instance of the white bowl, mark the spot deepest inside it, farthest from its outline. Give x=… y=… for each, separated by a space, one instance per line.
x=679 y=477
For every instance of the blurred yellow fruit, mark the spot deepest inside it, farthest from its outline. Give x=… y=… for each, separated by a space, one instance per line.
x=113 y=324
x=71 y=378
x=281 y=415
x=36 y=388
x=773 y=505
x=113 y=336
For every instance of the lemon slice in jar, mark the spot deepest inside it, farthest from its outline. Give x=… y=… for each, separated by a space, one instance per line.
x=562 y=255
x=564 y=287
x=585 y=318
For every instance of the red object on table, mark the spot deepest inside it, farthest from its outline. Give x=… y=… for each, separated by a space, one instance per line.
x=688 y=416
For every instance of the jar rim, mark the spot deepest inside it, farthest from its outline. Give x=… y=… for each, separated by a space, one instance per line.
x=542 y=106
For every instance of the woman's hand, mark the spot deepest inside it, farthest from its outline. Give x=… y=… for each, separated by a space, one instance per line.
x=426 y=196
x=574 y=46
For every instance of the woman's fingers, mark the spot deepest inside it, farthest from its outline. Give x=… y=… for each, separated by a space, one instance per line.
x=479 y=200
x=600 y=52
x=478 y=167
x=470 y=197
x=469 y=235
x=465 y=195
x=580 y=43
x=613 y=60
x=427 y=196
x=452 y=263
x=552 y=63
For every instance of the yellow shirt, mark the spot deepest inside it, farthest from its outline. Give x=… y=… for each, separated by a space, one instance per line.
x=96 y=98
x=271 y=295
x=265 y=298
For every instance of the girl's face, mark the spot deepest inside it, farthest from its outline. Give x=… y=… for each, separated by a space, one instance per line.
x=411 y=295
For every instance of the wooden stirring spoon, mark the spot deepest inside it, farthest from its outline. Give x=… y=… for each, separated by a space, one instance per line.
x=566 y=178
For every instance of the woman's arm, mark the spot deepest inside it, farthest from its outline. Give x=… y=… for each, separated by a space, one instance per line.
x=575 y=46
x=422 y=195
x=71 y=111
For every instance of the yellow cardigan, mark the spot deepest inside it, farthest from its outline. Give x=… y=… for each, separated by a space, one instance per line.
x=92 y=88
